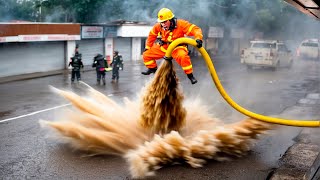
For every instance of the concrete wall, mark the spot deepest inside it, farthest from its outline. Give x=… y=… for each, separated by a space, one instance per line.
x=109 y=49
x=136 y=49
x=70 y=47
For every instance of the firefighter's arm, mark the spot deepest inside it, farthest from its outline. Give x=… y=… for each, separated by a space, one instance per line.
x=70 y=62
x=193 y=30
x=196 y=32
x=152 y=36
x=81 y=64
x=94 y=64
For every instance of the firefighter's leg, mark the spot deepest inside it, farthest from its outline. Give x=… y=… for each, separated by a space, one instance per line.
x=103 y=74
x=117 y=74
x=73 y=73
x=149 y=58
x=113 y=75
x=180 y=54
x=98 y=77
x=78 y=75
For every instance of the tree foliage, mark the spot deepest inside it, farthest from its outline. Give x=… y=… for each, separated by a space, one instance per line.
x=17 y=10
x=260 y=15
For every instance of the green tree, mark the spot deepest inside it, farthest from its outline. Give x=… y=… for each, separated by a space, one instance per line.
x=17 y=10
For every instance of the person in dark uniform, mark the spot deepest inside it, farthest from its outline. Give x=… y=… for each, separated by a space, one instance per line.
x=76 y=64
x=116 y=64
x=100 y=63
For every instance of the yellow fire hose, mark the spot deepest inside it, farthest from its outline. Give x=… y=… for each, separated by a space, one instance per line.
x=215 y=78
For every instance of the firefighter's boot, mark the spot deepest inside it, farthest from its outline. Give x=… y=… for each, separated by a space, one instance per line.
x=98 y=81
x=192 y=79
x=149 y=71
x=104 y=81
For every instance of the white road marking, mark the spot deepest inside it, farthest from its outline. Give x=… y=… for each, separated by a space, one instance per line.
x=36 y=112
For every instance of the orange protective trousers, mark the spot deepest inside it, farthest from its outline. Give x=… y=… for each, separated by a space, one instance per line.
x=156 y=52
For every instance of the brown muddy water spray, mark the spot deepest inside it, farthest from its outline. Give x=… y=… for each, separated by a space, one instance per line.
x=162 y=109
x=158 y=129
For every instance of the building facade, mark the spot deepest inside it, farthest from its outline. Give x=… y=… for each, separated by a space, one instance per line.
x=29 y=48
x=41 y=47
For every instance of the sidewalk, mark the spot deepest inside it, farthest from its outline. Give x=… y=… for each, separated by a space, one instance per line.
x=57 y=72
x=299 y=160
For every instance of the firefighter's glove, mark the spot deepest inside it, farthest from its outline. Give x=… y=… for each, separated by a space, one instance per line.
x=199 y=43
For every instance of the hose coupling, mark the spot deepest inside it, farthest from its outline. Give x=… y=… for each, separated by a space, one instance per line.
x=167 y=58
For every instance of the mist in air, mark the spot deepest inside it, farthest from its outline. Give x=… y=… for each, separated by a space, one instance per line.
x=275 y=19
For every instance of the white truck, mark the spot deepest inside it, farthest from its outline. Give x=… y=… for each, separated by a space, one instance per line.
x=309 y=49
x=266 y=53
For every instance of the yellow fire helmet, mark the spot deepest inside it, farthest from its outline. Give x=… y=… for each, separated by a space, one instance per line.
x=165 y=14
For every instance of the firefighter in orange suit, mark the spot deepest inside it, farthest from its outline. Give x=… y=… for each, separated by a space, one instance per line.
x=162 y=34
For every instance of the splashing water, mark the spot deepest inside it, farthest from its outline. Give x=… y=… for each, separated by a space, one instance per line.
x=162 y=109
x=155 y=132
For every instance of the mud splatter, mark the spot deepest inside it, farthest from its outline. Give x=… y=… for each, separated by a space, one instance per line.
x=158 y=129
x=162 y=108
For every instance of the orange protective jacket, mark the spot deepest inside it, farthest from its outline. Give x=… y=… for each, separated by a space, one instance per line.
x=180 y=53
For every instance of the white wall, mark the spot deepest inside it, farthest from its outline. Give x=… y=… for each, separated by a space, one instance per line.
x=31 y=57
x=71 y=46
x=108 y=51
x=133 y=31
x=136 y=49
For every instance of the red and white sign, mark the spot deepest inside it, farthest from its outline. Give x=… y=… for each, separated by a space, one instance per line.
x=9 y=39
x=46 y=37
x=89 y=32
x=49 y=37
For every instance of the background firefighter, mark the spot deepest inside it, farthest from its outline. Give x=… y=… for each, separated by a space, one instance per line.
x=76 y=64
x=117 y=62
x=162 y=34
x=100 y=63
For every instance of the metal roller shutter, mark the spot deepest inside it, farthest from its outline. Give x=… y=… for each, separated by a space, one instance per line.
x=89 y=48
x=30 y=57
x=123 y=45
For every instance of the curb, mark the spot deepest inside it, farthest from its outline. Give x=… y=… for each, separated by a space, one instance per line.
x=39 y=75
x=57 y=72
x=300 y=160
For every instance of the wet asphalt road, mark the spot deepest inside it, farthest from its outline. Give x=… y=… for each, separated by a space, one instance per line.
x=26 y=153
